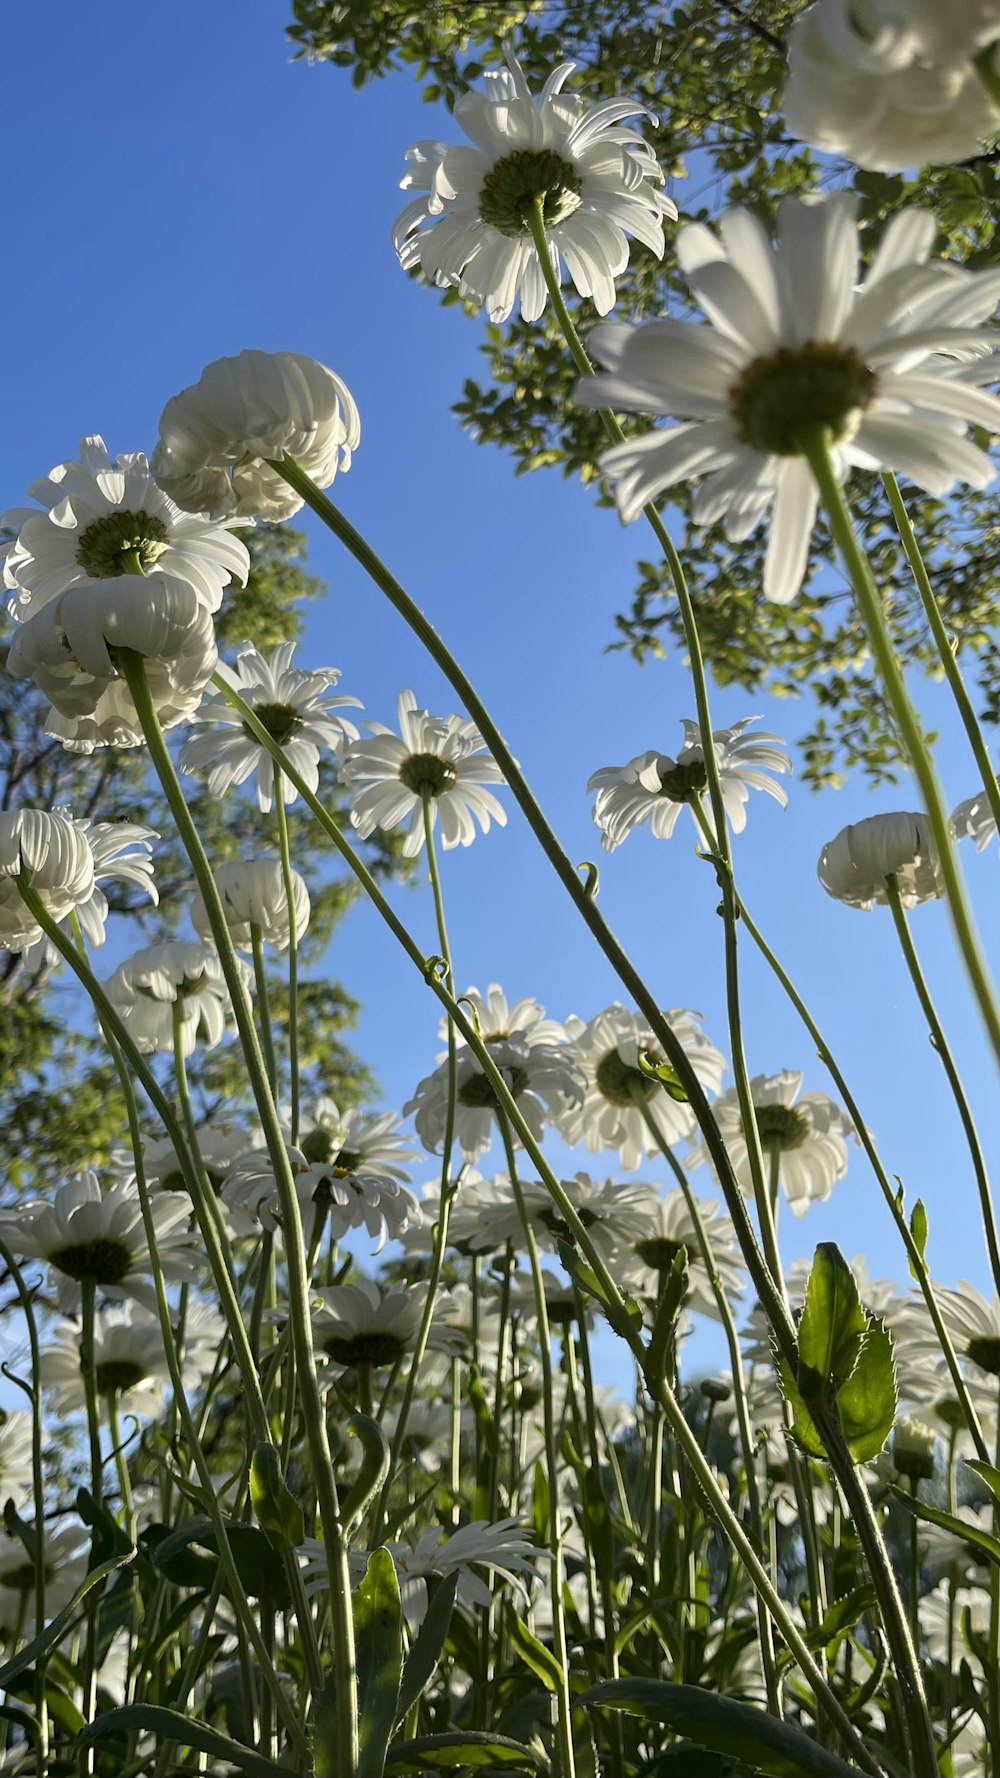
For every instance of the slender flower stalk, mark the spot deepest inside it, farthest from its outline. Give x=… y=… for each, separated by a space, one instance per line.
x=25 y=1298
x=815 y=446
x=941 y=1046
x=943 y=642
x=293 y=961
x=298 y=1277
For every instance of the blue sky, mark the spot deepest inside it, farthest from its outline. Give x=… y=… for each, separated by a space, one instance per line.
x=180 y=189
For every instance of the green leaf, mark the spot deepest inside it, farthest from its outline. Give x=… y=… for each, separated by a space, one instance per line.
x=170 y=1725
x=260 y=1568
x=832 y=1326
x=918 y=1229
x=840 y=1618
x=427 y=1648
x=723 y=1726
x=667 y=1311
x=866 y=1403
x=533 y=1653
x=53 y=1633
x=323 y=1728
x=986 y=1473
x=378 y=1636
x=279 y=1514
x=970 y=1534
x=668 y=1077
x=484 y=1753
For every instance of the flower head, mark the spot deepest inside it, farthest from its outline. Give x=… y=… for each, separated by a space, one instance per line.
x=347 y=1175
x=107 y=518
x=130 y=1364
x=50 y=851
x=253 y=894
x=654 y=788
x=296 y=708
x=217 y=435
x=974 y=819
x=359 y=1324
x=120 y=851
x=616 y=1092
x=794 y=345
x=854 y=866
x=890 y=85
x=596 y=181
x=67 y=647
x=65 y=1564
x=443 y=757
x=531 y=1053
x=803 y=1136
x=147 y=987
x=665 y=1227
x=99 y=1236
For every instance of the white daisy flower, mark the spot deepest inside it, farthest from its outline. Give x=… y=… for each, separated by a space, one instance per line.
x=129 y=1362
x=253 y=894
x=359 y=1324
x=534 y=1058
x=106 y=518
x=612 y=1213
x=598 y=181
x=974 y=1325
x=889 y=85
x=66 y=650
x=805 y=1135
x=16 y=1473
x=145 y=988
x=219 y=1146
x=121 y=852
x=654 y=787
x=443 y=755
x=65 y=1564
x=53 y=852
x=942 y=1615
x=217 y=435
x=607 y=1051
x=505 y=1549
x=853 y=867
x=87 y=1233
x=648 y=1253
x=348 y=1191
x=297 y=710
x=974 y=819
x=794 y=342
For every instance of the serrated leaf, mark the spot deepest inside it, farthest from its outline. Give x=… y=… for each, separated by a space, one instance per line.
x=428 y=1645
x=279 y=1514
x=533 y=1653
x=867 y=1401
x=722 y=1725
x=840 y=1617
x=378 y=1637
x=833 y=1323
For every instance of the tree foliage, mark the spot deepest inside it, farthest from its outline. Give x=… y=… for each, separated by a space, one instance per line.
x=47 y=1059
x=710 y=73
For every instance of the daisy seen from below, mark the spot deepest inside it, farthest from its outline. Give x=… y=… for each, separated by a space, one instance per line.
x=595 y=179
x=253 y=896
x=443 y=758
x=87 y=1234
x=349 y=1190
x=653 y=788
x=359 y=1324
x=803 y=1138
x=974 y=819
x=297 y=708
x=130 y=1365
x=121 y=851
x=855 y=864
x=180 y=973
x=217 y=436
x=892 y=86
x=665 y=1226
x=64 y=1567
x=104 y=518
x=792 y=345
x=534 y=1058
x=618 y=1096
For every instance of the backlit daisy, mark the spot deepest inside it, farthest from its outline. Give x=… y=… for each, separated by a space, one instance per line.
x=802 y=1136
x=89 y=1234
x=974 y=819
x=149 y=984
x=853 y=866
x=653 y=788
x=442 y=756
x=609 y=1115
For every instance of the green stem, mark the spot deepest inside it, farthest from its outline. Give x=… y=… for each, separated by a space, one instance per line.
x=298 y=1280
x=38 y=1493
x=263 y=1006
x=121 y=1466
x=816 y=447
x=293 y=956
x=940 y=1043
x=946 y=649
x=673 y=1049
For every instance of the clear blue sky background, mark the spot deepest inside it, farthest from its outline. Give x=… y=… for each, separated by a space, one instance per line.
x=178 y=188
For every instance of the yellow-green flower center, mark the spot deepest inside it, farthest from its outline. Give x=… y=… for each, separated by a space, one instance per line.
x=114 y=1374
x=121 y=543
x=375 y=1346
x=428 y=772
x=281 y=721
x=781 y=1127
x=101 y=1261
x=681 y=782
x=509 y=190
x=616 y=1080
x=321 y=1149
x=477 y=1094
x=777 y=399
x=659 y=1252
